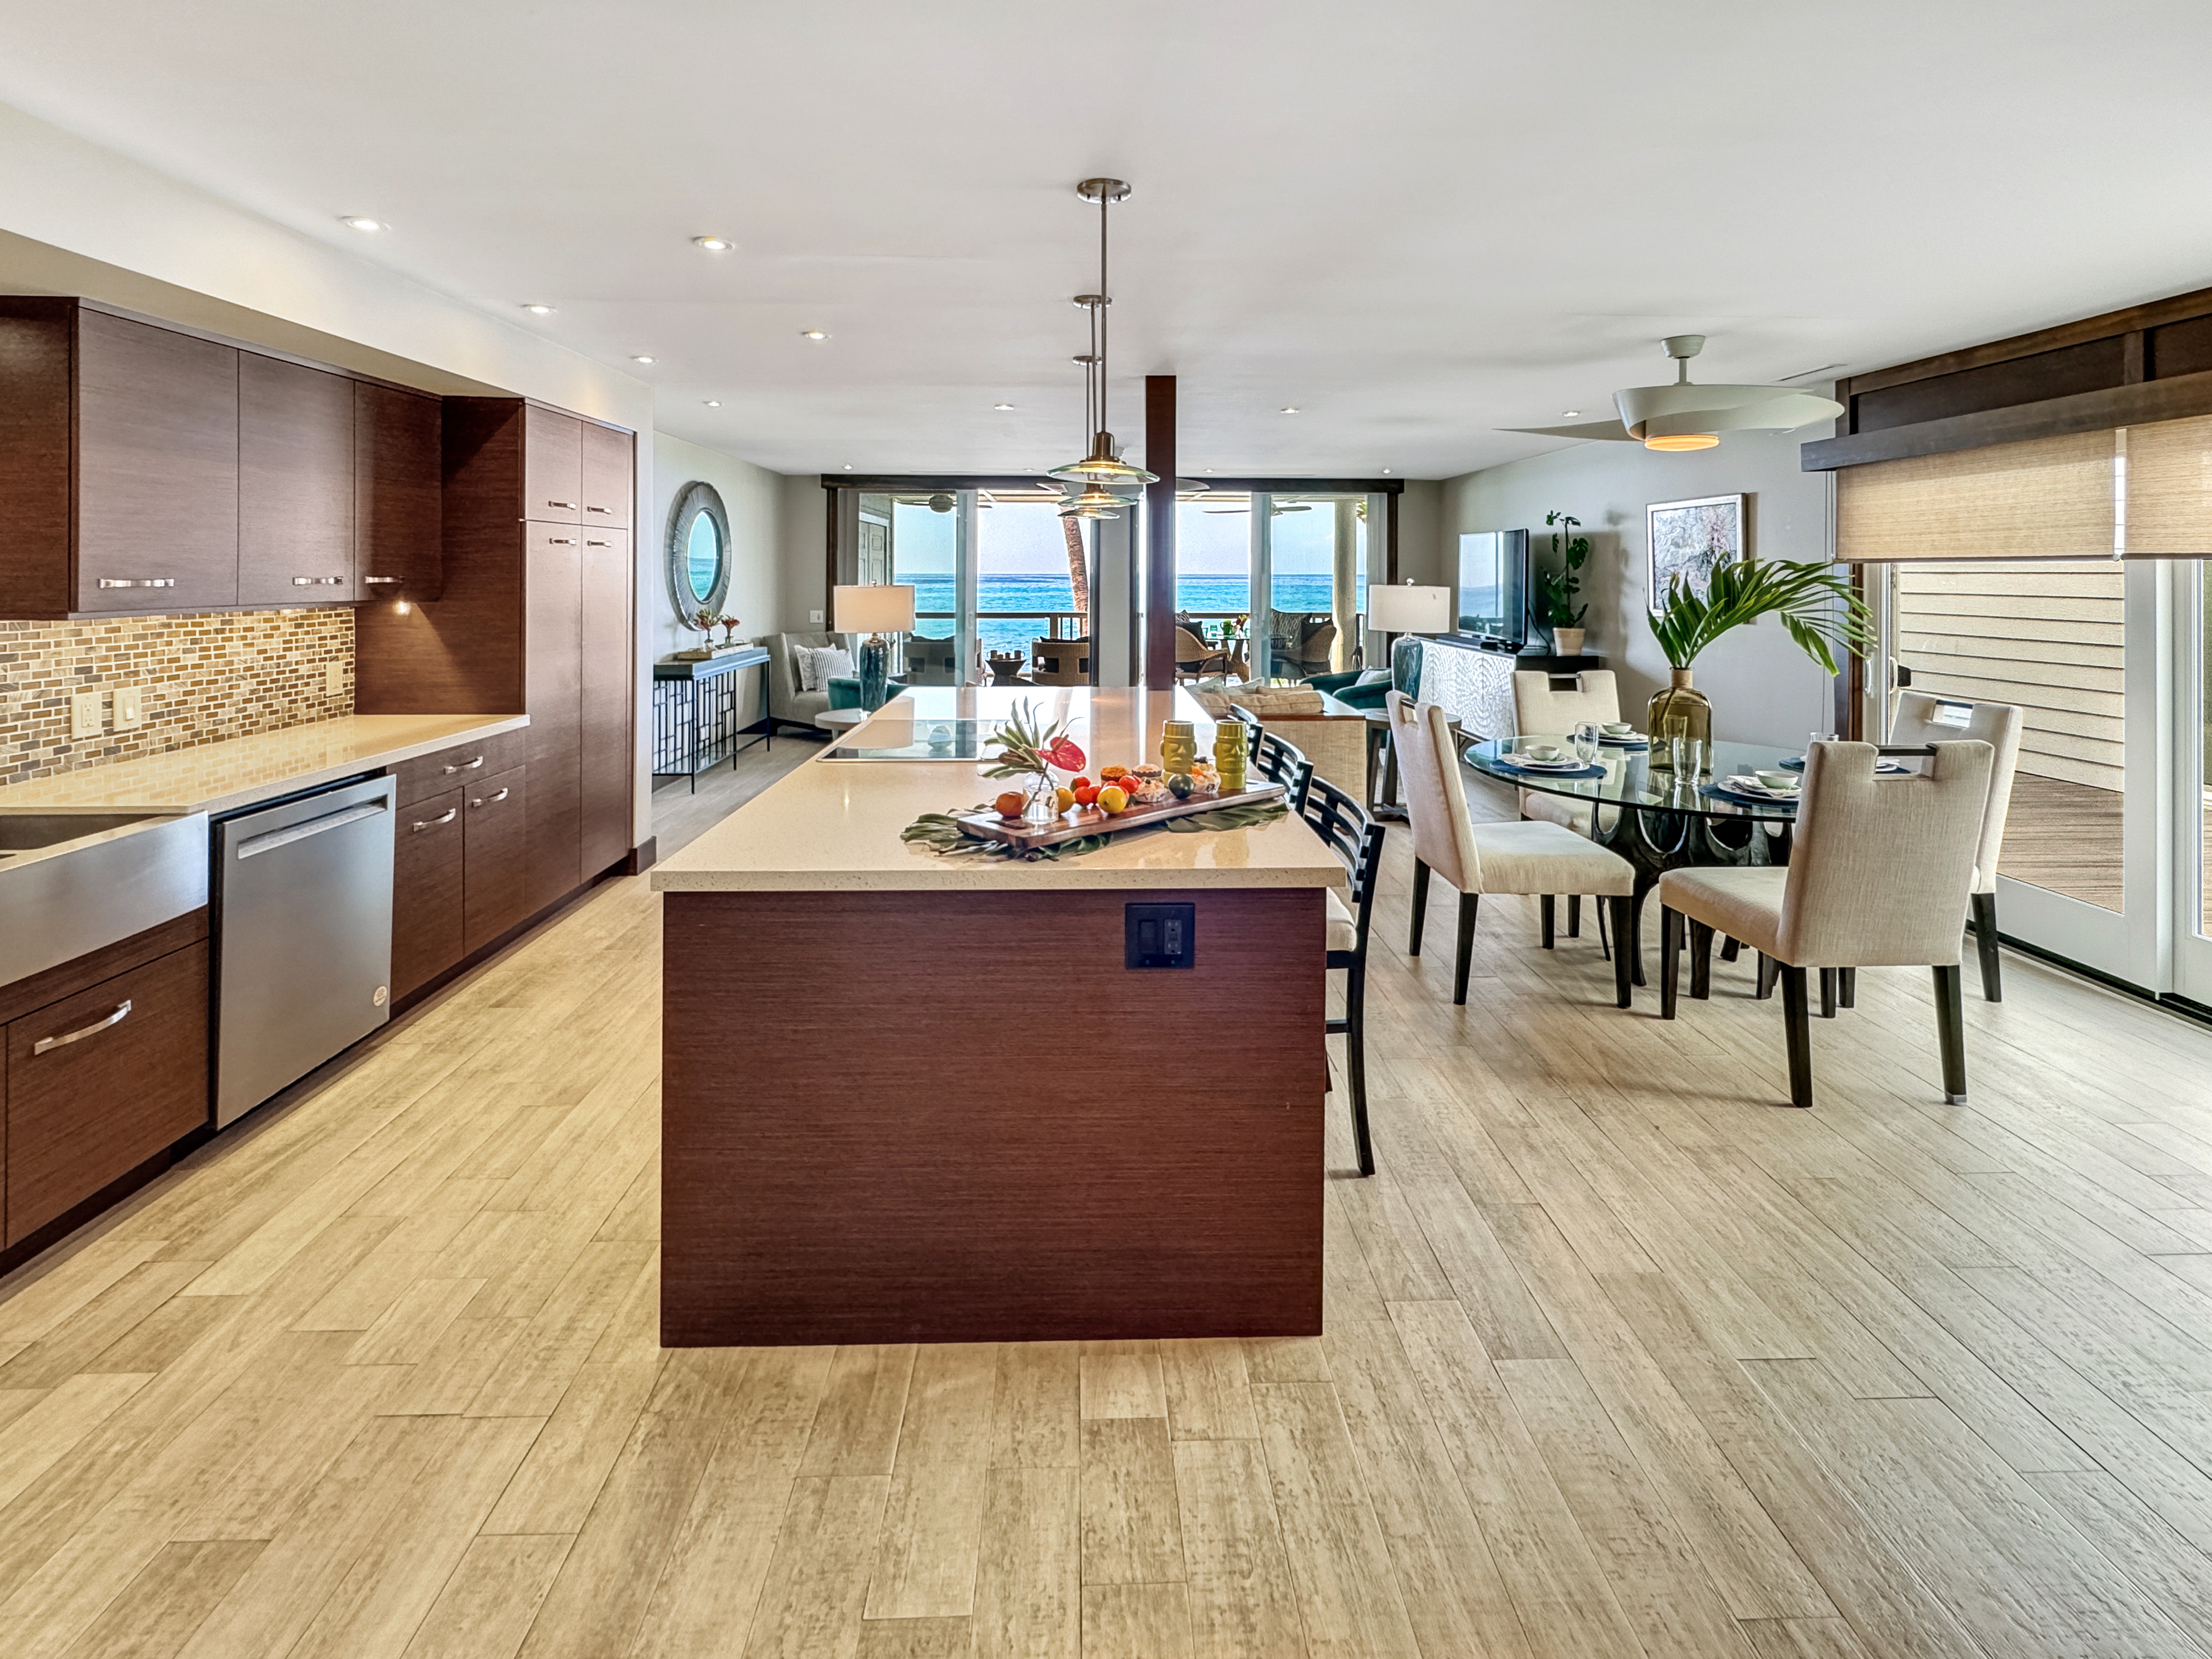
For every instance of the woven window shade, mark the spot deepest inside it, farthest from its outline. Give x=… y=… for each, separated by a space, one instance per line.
x=2169 y=490
x=2049 y=498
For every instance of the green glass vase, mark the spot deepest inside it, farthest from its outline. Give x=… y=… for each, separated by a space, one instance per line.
x=1677 y=710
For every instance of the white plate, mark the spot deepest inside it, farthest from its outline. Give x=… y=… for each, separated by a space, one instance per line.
x=1743 y=786
x=1528 y=764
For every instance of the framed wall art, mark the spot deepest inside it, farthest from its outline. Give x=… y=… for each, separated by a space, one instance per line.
x=1692 y=539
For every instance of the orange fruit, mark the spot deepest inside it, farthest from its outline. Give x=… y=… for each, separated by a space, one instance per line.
x=1010 y=804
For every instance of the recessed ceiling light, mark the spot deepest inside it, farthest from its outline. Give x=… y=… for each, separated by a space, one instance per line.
x=1386 y=471
x=715 y=244
x=714 y=403
x=361 y=222
x=1290 y=409
x=1209 y=468
x=538 y=310
x=813 y=334
x=642 y=359
x=1571 y=413
x=848 y=466
x=1002 y=405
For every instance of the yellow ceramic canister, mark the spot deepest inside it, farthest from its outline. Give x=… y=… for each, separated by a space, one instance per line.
x=1229 y=755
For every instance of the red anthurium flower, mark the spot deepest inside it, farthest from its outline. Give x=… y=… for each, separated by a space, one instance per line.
x=1065 y=755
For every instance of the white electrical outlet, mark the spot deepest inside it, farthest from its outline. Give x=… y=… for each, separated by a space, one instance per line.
x=333 y=680
x=814 y=616
x=129 y=708
x=86 y=709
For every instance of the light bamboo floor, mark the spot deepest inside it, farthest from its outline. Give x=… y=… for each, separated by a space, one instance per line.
x=1622 y=1359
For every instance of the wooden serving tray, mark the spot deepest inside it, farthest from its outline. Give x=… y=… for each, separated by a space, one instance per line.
x=1080 y=821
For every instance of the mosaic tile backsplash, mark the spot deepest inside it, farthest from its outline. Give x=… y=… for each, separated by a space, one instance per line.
x=206 y=677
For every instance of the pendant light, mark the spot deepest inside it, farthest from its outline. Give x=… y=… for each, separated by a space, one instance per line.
x=1094 y=500
x=1103 y=466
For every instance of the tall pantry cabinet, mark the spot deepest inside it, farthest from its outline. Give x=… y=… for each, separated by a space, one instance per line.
x=534 y=614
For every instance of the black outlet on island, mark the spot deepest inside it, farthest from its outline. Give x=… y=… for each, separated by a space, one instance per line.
x=1160 y=935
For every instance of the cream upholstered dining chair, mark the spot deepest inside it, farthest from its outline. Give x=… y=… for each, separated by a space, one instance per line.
x=1529 y=857
x=1878 y=878
x=1920 y=718
x=1543 y=709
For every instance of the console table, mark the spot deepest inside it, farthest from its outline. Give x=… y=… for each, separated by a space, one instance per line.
x=697 y=723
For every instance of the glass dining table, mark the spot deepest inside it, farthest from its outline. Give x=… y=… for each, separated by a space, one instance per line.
x=1654 y=818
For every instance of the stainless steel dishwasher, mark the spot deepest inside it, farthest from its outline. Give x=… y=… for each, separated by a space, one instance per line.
x=302 y=898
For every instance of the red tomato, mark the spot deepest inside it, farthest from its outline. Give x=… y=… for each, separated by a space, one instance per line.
x=1086 y=792
x=1080 y=784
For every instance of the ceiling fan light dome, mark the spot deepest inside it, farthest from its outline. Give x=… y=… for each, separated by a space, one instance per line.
x=1672 y=442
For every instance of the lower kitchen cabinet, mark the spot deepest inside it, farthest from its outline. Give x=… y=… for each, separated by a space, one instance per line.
x=496 y=888
x=427 y=929
x=100 y=1081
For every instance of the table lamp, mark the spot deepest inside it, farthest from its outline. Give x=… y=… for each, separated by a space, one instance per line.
x=874 y=610
x=1408 y=610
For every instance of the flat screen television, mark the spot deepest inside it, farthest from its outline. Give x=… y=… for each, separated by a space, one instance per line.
x=1493 y=588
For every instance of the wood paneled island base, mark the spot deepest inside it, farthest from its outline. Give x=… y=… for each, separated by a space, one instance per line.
x=956 y=1117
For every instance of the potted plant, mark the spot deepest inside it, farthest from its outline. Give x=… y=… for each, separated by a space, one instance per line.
x=1558 y=586
x=1819 y=607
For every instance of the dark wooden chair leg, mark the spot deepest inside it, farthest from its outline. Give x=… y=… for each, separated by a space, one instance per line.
x=1548 y=906
x=1421 y=907
x=1624 y=983
x=1701 y=961
x=1467 y=906
x=1355 y=1059
x=1574 y=915
x=1729 y=947
x=1606 y=909
x=1670 y=953
x=1768 y=968
x=1847 y=987
x=1796 y=1016
x=1985 y=910
x=1951 y=1035
x=1828 y=993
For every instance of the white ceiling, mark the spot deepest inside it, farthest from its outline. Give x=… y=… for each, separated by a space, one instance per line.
x=1417 y=220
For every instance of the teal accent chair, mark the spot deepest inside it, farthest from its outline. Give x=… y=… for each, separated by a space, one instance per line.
x=1405 y=675
x=845 y=690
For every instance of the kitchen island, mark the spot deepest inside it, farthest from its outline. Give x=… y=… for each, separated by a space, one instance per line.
x=908 y=1096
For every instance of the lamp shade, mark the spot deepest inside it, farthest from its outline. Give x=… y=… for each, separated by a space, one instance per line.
x=887 y=608
x=1406 y=610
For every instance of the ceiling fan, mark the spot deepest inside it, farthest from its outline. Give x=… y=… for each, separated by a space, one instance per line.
x=1688 y=416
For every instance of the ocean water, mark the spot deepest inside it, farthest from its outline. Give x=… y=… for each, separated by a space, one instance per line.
x=1027 y=592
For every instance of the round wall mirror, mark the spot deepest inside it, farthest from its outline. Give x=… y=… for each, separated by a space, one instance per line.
x=698 y=552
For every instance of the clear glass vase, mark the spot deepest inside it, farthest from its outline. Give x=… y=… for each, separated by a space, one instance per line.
x=1043 y=805
x=1677 y=710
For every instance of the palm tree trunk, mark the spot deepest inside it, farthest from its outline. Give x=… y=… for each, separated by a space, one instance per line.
x=1079 y=568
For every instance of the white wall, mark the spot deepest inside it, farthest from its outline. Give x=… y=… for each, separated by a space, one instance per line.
x=1764 y=690
x=754 y=497
x=803 y=588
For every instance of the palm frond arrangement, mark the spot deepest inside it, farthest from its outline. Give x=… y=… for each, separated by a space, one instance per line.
x=1819 y=607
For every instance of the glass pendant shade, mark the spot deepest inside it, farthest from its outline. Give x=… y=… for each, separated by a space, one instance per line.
x=1101 y=465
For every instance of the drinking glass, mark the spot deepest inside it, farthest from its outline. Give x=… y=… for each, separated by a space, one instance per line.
x=1688 y=755
x=1586 y=742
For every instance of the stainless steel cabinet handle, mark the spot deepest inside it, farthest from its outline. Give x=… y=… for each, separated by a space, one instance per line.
x=379 y=579
x=589 y=508
x=92 y=1030
x=318 y=581
x=488 y=800
x=147 y=581
x=560 y=541
x=466 y=766
x=571 y=506
x=588 y=542
x=447 y=816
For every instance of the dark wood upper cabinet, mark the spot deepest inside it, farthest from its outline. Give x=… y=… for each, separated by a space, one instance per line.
x=156 y=468
x=552 y=466
x=396 y=493
x=609 y=476
x=295 y=484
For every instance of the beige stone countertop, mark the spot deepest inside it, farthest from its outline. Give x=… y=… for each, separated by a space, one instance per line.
x=832 y=825
x=220 y=777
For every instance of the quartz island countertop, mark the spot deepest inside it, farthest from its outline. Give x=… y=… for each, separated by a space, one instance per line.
x=833 y=825
x=220 y=777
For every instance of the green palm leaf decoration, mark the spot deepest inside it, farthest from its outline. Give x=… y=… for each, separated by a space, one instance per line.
x=1819 y=607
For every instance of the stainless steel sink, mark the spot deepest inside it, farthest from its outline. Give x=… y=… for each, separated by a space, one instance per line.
x=75 y=881
x=33 y=832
